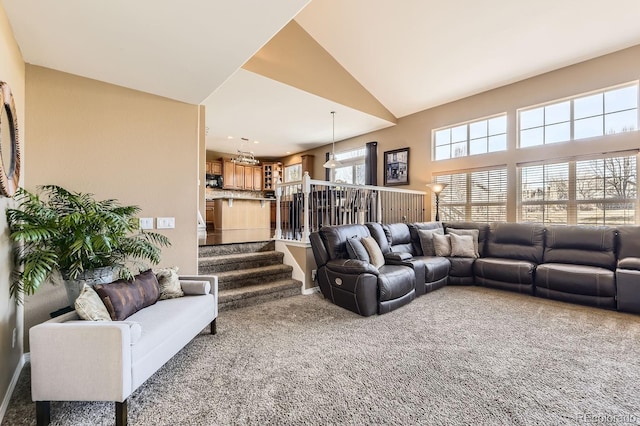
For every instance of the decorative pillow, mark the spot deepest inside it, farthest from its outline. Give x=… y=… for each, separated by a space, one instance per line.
x=169 y=283
x=462 y=246
x=356 y=250
x=373 y=249
x=442 y=245
x=89 y=306
x=124 y=298
x=194 y=288
x=474 y=234
x=426 y=240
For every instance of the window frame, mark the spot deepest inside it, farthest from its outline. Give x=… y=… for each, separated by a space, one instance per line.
x=468 y=138
x=351 y=161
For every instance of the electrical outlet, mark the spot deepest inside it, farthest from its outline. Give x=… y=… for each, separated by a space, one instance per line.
x=166 y=222
x=146 y=223
x=314 y=272
x=14 y=338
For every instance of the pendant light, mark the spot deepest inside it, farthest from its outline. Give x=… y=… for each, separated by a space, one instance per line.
x=332 y=163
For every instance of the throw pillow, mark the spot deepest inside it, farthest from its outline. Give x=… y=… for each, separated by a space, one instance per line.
x=373 y=249
x=169 y=283
x=356 y=250
x=442 y=245
x=89 y=306
x=426 y=240
x=474 y=234
x=462 y=246
x=124 y=298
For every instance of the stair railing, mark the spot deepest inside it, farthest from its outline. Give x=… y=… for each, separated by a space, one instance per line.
x=305 y=206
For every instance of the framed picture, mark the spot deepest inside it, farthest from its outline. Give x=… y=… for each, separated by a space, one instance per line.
x=396 y=167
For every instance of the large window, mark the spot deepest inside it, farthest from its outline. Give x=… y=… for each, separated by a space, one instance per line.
x=479 y=196
x=597 y=114
x=353 y=169
x=595 y=191
x=477 y=137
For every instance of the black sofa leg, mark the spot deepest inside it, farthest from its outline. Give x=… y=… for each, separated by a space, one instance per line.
x=43 y=413
x=121 y=413
x=213 y=326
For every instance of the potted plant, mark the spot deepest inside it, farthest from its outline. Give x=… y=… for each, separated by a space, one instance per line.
x=74 y=234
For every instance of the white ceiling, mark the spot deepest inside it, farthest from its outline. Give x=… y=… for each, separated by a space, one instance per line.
x=409 y=54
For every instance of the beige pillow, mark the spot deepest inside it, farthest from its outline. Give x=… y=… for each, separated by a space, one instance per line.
x=426 y=240
x=474 y=234
x=442 y=245
x=376 y=257
x=169 y=283
x=462 y=246
x=89 y=306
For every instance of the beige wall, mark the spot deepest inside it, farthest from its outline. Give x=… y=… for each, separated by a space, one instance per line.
x=414 y=131
x=12 y=71
x=114 y=142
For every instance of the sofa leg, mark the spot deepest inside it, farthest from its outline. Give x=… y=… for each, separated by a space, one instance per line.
x=43 y=413
x=213 y=326
x=121 y=413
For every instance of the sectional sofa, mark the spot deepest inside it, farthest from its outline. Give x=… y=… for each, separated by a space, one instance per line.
x=591 y=265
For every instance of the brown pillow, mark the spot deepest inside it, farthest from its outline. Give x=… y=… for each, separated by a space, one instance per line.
x=124 y=298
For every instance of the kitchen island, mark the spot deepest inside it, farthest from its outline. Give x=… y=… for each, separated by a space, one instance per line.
x=242 y=212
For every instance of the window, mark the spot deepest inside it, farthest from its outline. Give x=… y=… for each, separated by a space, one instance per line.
x=479 y=196
x=352 y=170
x=597 y=114
x=597 y=191
x=477 y=137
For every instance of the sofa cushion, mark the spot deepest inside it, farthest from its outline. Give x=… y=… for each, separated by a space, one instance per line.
x=195 y=287
x=473 y=233
x=435 y=268
x=399 y=237
x=583 y=245
x=90 y=307
x=629 y=263
x=356 y=250
x=461 y=266
x=442 y=245
x=463 y=246
x=335 y=238
x=426 y=240
x=375 y=254
x=169 y=283
x=522 y=241
x=123 y=298
x=395 y=281
x=628 y=241
x=576 y=279
x=506 y=270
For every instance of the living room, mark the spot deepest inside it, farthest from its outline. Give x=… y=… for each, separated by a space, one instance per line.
x=147 y=149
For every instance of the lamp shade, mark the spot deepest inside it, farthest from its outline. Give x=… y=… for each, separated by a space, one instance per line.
x=332 y=163
x=436 y=188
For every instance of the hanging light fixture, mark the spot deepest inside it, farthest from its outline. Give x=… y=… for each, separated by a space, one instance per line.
x=332 y=163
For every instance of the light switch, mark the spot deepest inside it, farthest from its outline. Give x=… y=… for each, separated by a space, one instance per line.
x=146 y=223
x=166 y=222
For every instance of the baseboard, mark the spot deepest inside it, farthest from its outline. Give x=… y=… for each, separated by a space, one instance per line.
x=309 y=291
x=14 y=381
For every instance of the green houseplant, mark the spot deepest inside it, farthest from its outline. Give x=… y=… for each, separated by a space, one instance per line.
x=73 y=233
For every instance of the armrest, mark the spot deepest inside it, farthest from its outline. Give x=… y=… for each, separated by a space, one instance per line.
x=80 y=361
x=351 y=267
x=398 y=257
x=632 y=263
x=213 y=282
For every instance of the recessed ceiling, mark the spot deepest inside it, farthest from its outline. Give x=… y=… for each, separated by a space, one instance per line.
x=410 y=55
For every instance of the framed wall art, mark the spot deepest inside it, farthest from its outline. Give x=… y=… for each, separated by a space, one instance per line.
x=396 y=167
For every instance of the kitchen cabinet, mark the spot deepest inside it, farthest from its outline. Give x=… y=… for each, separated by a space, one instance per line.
x=208 y=167
x=271 y=173
x=210 y=214
x=257 y=178
x=216 y=167
x=228 y=174
x=248 y=177
x=238 y=176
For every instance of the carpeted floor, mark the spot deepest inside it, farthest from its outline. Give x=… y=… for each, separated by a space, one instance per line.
x=458 y=356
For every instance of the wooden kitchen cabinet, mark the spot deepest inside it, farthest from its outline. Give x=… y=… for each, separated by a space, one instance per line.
x=271 y=173
x=216 y=167
x=208 y=167
x=248 y=177
x=228 y=175
x=210 y=213
x=257 y=178
x=238 y=176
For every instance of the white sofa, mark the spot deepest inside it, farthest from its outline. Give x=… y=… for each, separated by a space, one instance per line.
x=75 y=360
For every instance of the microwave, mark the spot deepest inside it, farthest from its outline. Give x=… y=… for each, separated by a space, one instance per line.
x=214 y=181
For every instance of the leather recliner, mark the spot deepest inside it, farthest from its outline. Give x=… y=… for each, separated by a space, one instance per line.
x=355 y=284
x=628 y=269
x=396 y=240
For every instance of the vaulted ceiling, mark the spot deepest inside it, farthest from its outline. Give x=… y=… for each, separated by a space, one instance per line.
x=273 y=71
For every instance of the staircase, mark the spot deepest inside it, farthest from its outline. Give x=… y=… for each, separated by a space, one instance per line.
x=248 y=273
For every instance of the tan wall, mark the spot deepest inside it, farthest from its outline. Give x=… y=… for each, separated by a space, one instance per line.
x=114 y=142
x=414 y=131
x=12 y=71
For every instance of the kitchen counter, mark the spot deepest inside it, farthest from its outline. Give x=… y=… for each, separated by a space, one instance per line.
x=242 y=212
x=228 y=197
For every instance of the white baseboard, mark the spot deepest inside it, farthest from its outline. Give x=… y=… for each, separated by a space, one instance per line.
x=14 y=381
x=311 y=290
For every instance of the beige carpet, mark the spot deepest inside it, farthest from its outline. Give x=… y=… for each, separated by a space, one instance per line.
x=458 y=356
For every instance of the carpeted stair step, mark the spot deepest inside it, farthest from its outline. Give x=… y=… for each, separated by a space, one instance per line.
x=253 y=276
x=224 y=249
x=257 y=294
x=237 y=261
